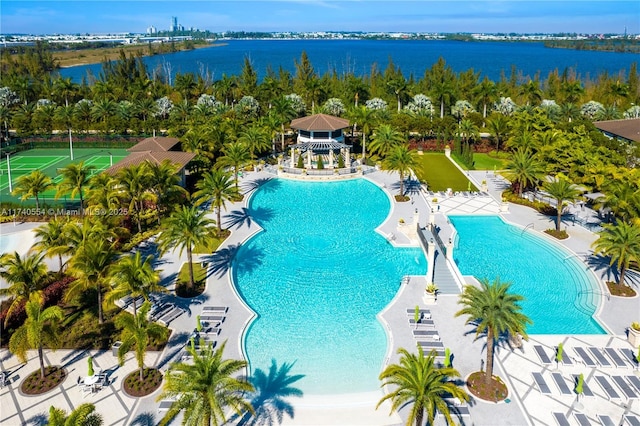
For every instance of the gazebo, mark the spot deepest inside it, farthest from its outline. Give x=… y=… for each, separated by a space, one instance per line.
x=320 y=134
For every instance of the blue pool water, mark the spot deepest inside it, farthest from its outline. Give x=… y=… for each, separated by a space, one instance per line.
x=317 y=276
x=561 y=294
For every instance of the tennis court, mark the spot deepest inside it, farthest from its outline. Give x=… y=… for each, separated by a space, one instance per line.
x=50 y=161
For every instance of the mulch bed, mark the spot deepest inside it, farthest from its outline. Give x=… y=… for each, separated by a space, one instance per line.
x=620 y=290
x=560 y=235
x=35 y=384
x=151 y=380
x=402 y=198
x=183 y=291
x=496 y=390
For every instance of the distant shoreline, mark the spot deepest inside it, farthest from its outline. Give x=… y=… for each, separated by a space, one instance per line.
x=112 y=53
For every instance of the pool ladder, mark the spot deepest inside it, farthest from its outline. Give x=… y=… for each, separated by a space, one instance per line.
x=531 y=225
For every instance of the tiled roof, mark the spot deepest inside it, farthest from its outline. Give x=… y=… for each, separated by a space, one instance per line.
x=628 y=129
x=155 y=144
x=136 y=158
x=319 y=122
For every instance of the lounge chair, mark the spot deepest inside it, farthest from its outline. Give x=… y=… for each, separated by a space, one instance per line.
x=542 y=355
x=214 y=318
x=584 y=356
x=615 y=357
x=561 y=383
x=606 y=420
x=162 y=310
x=223 y=309
x=586 y=390
x=422 y=311
x=628 y=353
x=566 y=359
x=432 y=344
x=582 y=419
x=423 y=333
x=456 y=407
x=632 y=420
x=165 y=405
x=561 y=419
x=624 y=387
x=542 y=384
x=635 y=381
x=425 y=322
x=607 y=388
x=171 y=315
x=602 y=360
x=211 y=331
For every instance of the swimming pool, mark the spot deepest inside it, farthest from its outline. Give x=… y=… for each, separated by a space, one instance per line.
x=561 y=294
x=317 y=276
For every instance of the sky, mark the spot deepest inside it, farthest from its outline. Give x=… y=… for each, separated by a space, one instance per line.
x=99 y=17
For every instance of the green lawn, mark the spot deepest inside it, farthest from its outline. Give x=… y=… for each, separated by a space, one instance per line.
x=440 y=173
x=486 y=162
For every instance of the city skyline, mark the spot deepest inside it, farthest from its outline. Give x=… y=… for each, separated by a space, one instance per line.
x=71 y=17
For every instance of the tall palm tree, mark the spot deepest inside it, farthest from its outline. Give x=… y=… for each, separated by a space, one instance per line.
x=255 y=139
x=75 y=178
x=90 y=266
x=419 y=381
x=39 y=329
x=52 y=240
x=66 y=88
x=562 y=191
x=622 y=199
x=531 y=92
x=205 y=388
x=401 y=160
x=32 y=185
x=103 y=110
x=186 y=228
x=365 y=118
x=398 y=86
x=216 y=186
x=493 y=310
x=385 y=139
x=486 y=93
x=137 y=331
x=284 y=111
x=64 y=117
x=84 y=414
x=25 y=275
x=468 y=130
x=164 y=184
x=236 y=155
x=133 y=276
x=498 y=125
x=621 y=242
x=524 y=169
x=103 y=192
x=133 y=183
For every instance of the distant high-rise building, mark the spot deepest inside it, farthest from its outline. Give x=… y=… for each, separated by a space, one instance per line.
x=174 y=24
x=152 y=30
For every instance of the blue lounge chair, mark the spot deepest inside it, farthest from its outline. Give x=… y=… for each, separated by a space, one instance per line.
x=542 y=384
x=433 y=344
x=209 y=309
x=582 y=353
x=542 y=354
x=561 y=383
x=615 y=356
x=586 y=390
x=607 y=388
x=632 y=420
x=606 y=420
x=561 y=419
x=582 y=419
x=624 y=387
x=635 y=381
x=602 y=360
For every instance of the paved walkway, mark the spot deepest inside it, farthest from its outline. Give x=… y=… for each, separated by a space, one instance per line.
x=527 y=405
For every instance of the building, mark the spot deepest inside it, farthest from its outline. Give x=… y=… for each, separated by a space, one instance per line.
x=320 y=135
x=152 y=30
x=626 y=130
x=174 y=24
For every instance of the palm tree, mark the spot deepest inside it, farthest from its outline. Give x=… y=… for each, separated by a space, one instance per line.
x=104 y=109
x=524 y=169
x=84 y=414
x=365 y=118
x=137 y=331
x=486 y=93
x=493 y=310
x=75 y=178
x=401 y=160
x=133 y=276
x=618 y=90
x=385 y=139
x=236 y=155
x=498 y=125
x=164 y=184
x=468 y=130
x=65 y=116
x=103 y=192
x=25 y=275
x=90 y=266
x=531 y=92
x=398 y=87
x=283 y=110
x=133 y=183
x=39 y=329
x=217 y=187
x=255 y=139
x=205 y=388
x=418 y=381
x=621 y=242
x=32 y=185
x=52 y=239
x=561 y=190
x=65 y=87
x=187 y=227
x=622 y=199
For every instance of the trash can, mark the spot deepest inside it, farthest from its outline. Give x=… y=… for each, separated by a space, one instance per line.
x=115 y=348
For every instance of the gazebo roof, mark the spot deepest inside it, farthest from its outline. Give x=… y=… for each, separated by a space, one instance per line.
x=320 y=145
x=628 y=128
x=155 y=144
x=319 y=122
x=137 y=158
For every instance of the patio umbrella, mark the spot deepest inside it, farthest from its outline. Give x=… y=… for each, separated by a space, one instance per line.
x=447 y=357
x=90 y=362
x=416 y=315
x=469 y=186
x=580 y=385
x=559 y=353
x=192 y=342
x=198 y=324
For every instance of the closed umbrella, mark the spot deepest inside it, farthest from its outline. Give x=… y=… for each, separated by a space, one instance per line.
x=90 y=362
x=559 y=354
x=198 y=324
x=416 y=315
x=580 y=385
x=447 y=357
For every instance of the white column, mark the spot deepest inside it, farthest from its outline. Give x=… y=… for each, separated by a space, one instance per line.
x=309 y=151
x=331 y=158
x=347 y=160
x=449 y=247
x=416 y=217
x=293 y=158
x=432 y=217
x=431 y=255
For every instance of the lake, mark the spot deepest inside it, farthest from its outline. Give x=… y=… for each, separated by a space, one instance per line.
x=358 y=56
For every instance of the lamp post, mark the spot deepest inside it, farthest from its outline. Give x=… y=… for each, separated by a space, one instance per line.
x=9 y=173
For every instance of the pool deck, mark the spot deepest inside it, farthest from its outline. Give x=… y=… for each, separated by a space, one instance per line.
x=527 y=405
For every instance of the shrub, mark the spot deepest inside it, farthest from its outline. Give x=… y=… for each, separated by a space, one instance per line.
x=300 y=164
x=320 y=164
